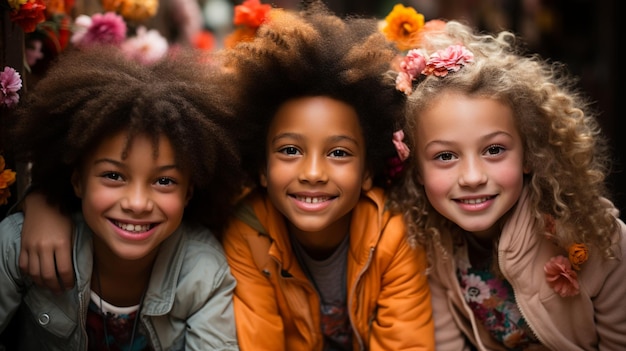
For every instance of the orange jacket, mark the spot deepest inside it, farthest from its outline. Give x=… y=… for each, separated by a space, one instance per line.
x=277 y=308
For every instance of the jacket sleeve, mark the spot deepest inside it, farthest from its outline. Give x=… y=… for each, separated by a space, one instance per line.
x=404 y=316
x=259 y=325
x=10 y=277
x=610 y=302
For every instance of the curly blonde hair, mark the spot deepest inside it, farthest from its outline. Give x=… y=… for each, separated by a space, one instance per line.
x=563 y=145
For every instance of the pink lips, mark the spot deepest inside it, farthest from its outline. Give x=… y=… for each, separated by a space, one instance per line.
x=133 y=236
x=312 y=203
x=475 y=204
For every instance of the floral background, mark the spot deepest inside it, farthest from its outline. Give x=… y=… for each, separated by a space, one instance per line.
x=583 y=33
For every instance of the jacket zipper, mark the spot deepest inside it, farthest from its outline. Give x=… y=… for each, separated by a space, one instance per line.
x=517 y=301
x=353 y=293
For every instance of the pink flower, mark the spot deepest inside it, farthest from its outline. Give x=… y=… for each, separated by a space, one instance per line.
x=401 y=148
x=561 y=277
x=414 y=63
x=107 y=28
x=404 y=83
x=10 y=84
x=450 y=59
x=148 y=47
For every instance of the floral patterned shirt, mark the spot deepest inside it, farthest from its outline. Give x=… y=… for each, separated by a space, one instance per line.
x=492 y=300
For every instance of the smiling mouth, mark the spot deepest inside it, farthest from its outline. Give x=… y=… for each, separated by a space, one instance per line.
x=133 y=228
x=476 y=201
x=312 y=200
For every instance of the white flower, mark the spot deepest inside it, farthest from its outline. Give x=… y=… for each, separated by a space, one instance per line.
x=147 y=47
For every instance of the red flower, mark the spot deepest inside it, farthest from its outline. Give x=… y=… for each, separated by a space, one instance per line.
x=561 y=277
x=251 y=13
x=30 y=15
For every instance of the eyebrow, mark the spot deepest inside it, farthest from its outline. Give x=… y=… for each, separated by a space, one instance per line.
x=334 y=138
x=485 y=137
x=122 y=164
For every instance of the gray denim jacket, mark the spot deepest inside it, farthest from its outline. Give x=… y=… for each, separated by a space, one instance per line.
x=188 y=304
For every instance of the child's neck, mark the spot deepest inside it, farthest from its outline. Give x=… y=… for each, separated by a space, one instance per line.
x=120 y=282
x=321 y=244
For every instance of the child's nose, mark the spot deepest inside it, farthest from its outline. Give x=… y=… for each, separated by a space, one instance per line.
x=472 y=173
x=313 y=170
x=137 y=199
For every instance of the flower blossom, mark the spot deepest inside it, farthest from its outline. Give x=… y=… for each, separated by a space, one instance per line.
x=411 y=66
x=10 y=84
x=578 y=254
x=147 y=47
x=7 y=178
x=450 y=59
x=402 y=26
x=29 y=15
x=475 y=290
x=561 y=277
x=251 y=13
x=107 y=28
x=401 y=148
x=134 y=10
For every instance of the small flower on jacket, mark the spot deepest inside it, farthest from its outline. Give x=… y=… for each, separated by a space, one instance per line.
x=29 y=15
x=450 y=59
x=561 y=277
x=10 y=84
x=251 y=13
x=147 y=47
x=7 y=178
x=578 y=254
x=107 y=28
x=402 y=26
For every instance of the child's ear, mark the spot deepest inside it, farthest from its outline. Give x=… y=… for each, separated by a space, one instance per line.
x=77 y=184
x=367 y=182
x=263 y=178
x=189 y=194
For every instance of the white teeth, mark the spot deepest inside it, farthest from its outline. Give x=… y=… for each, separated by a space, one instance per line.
x=138 y=228
x=311 y=200
x=475 y=201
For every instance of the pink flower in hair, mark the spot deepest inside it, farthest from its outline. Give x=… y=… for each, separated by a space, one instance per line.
x=414 y=63
x=561 y=277
x=10 y=84
x=450 y=59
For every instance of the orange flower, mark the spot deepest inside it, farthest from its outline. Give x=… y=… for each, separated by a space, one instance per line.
x=578 y=254
x=134 y=10
x=402 y=26
x=7 y=178
x=251 y=13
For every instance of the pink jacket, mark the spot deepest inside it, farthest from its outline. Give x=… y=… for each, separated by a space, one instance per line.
x=595 y=319
x=277 y=308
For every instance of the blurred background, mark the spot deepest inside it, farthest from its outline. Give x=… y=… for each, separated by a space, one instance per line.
x=583 y=34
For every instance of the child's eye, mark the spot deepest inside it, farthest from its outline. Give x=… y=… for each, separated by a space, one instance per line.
x=339 y=153
x=494 y=150
x=444 y=156
x=289 y=150
x=165 y=181
x=112 y=176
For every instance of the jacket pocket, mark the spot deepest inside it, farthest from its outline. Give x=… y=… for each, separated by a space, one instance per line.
x=52 y=312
